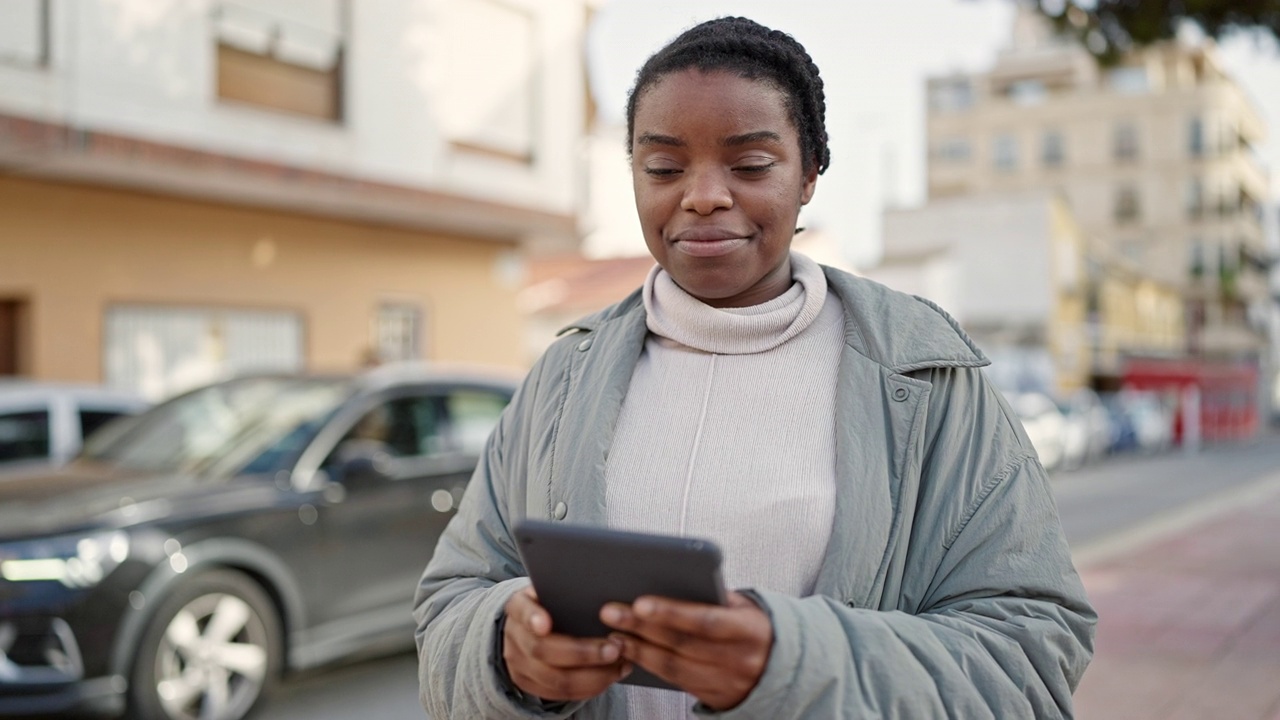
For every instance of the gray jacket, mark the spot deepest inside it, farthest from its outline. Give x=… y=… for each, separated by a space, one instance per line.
x=947 y=589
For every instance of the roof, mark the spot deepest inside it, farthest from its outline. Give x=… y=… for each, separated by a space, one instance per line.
x=573 y=284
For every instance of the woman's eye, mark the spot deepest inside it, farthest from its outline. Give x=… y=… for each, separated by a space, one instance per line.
x=754 y=169
x=661 y=172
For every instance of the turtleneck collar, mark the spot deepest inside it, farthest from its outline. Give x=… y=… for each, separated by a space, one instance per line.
x=676 y=315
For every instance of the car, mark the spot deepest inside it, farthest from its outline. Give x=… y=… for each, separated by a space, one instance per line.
x=1142 y=421
x=1087 y=429
x=45 y=423
x=1045 y=426
x=257 y=526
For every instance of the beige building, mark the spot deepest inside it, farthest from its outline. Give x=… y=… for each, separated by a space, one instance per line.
x=1012 y=269
x=200 y=189
x=1154 y=156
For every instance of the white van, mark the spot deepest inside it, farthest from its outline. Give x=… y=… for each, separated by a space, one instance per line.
x=46 y=423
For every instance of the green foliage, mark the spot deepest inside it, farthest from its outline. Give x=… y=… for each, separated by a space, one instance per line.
x=1109 y=28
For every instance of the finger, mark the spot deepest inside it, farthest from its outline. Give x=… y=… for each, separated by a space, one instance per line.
x=564 y=652
x=720 y=682
x=710 y=622
x=524 y=609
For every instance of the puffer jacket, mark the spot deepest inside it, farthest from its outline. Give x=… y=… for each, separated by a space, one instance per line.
x=947 y=589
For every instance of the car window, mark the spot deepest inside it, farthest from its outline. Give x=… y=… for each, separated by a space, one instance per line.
x=404 y=427
x=24 y=435
x=221 y=429
x=92 y=420
x=472 y=416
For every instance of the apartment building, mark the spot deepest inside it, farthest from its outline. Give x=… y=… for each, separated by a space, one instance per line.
x=1155 y=157
x=203 y=188
x=1013 y=269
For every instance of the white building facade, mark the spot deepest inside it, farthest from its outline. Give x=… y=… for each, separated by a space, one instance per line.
x=210 y=186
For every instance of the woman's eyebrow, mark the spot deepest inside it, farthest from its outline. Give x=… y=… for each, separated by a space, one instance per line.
x=655 y=139
x=752 y=137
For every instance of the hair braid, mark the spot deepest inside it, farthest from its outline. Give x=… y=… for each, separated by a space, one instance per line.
x=751 y=50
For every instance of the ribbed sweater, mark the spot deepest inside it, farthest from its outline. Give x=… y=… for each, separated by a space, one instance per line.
x=727 y=433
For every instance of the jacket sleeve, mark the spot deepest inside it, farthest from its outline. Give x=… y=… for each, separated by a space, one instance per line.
x=1003 y=628
x=460 y=600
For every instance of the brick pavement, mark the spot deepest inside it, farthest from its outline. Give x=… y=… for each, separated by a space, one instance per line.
x=1189 y=622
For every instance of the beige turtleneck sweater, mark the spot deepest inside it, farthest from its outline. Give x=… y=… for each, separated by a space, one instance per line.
x=727 y=433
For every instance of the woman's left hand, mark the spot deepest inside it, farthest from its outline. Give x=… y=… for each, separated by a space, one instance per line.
x=715 y=653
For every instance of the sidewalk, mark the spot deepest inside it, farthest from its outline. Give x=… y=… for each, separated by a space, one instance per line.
x=1189 y=618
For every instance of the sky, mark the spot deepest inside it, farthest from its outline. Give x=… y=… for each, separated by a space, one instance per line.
x=874 y=56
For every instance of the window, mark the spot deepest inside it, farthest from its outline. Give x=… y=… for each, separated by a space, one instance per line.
x=1195 y=137
x=407 y=427
x=1126 y=142
x=24 y=33
x=282 y=55
x=24 y=436
x=156 y=351
x=1195 y=197
x=1129 y=80
x=1127 y=206
x=1006 y=152
x=488 y=57
x=1028 y=92
x=1197 y=258
x=952 y=150
x=1051 y=149
x=92 y=420
x=472 y=416
x=396 y=333
x=951 y=95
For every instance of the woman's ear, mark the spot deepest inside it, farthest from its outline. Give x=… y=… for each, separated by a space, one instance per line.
x=810 y=184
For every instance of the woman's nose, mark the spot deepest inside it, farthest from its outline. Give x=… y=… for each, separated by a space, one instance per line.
x=707 y=191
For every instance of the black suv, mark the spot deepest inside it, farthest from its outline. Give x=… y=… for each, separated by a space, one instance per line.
x=195 y=552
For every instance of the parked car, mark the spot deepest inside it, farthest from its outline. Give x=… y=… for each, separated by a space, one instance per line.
x=1087 y=429
x=1141 y=422
x=249 y=528
x=1045 y=426
x=46 y=423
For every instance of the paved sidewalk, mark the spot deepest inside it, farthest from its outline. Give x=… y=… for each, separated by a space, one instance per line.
x=1189 y=617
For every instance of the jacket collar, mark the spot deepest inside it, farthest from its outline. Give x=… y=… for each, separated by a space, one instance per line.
x=898 y=331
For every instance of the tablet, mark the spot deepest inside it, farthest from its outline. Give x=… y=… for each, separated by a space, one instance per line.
x=576 y=569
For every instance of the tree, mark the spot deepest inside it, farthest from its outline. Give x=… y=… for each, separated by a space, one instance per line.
x=1109 y=28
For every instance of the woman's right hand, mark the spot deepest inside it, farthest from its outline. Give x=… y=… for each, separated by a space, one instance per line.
x=556 y=667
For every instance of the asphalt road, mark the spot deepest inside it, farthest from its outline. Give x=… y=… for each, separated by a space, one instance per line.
x=1103 y=503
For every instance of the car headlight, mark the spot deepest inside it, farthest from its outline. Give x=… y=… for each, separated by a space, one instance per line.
x=76 y=561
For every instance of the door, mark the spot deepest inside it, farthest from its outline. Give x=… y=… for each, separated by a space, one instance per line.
x=12 y=331
x=380 y=530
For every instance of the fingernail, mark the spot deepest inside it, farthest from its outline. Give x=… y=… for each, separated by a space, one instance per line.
x=643 y=607
x=611 y=614
x=609 y=652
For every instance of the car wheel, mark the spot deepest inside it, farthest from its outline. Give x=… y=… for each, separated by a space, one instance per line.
x=212 y=651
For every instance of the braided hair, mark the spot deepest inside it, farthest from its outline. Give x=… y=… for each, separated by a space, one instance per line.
x=753 y=51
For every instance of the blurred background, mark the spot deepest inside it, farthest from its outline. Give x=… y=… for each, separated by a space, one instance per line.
x=194 y=190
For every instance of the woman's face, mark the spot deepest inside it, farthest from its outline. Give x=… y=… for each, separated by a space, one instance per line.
x=719 y=182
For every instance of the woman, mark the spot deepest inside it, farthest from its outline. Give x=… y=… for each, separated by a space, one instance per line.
x=895 y=532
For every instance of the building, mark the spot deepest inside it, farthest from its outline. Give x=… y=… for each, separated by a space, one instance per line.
x=195 y=189
x=1012 y=269
x=1154 y=156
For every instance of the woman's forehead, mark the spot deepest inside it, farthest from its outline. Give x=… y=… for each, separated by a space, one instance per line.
x=695 y=96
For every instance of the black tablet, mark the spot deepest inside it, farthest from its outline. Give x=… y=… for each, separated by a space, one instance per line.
x=576 y=569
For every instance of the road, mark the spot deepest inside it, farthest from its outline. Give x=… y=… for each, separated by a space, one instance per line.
x=1113 y=502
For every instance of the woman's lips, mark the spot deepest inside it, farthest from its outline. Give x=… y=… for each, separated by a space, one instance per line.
x=708 y=241
x=709 y=248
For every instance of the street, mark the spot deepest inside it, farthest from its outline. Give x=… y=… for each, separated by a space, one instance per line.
x=1118 y=504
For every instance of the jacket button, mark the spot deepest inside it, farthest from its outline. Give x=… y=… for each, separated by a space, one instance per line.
x=900 y=394
x=560 y=511
x=584 y=345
